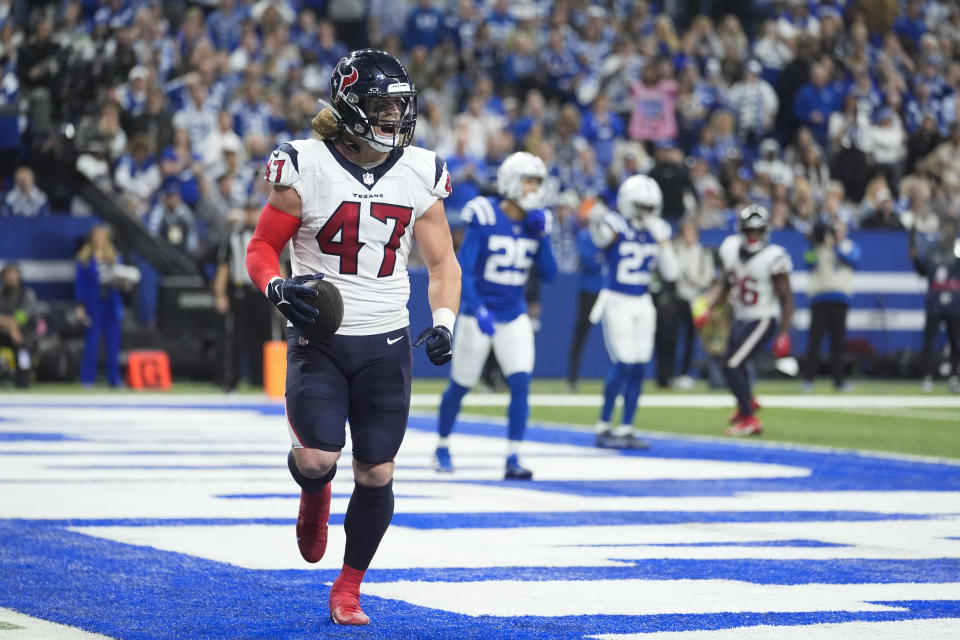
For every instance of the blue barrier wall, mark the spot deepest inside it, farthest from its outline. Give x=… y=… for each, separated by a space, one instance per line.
x=887 y=308
x=45 y=249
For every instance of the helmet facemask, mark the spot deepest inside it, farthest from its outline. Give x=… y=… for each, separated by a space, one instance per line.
x=638 y=212
x=531 y=199
x=517 y=170
x=754 y=233
x=386 y=121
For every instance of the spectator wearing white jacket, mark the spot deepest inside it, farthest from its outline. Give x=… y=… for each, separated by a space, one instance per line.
x=887 y=142
x=697 y=271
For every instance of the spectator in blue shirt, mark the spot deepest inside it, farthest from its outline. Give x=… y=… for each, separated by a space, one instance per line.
x=25 y=199
x=101 y=277
x=467 y=173
x=521 y=68
x=133 y=95
x=911 y=25
x=601 y=128
x=329 y=50
x=9 y=121
x=587 y=176
x=815 y=102
x=179 y=161
x=592 y=264
x=192 y=30
x=424 y=26
x=501 y=22
x=559 y=64
x=252 y=114
x=225 y=24
x=932 y=74
x=115 y=15
x=918 y=106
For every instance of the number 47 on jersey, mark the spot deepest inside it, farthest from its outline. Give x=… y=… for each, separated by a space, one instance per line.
x=345 y=223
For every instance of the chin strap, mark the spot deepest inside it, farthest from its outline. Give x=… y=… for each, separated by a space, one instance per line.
x=349 y=144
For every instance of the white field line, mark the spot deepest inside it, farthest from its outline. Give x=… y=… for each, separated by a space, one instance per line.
x=706 y=401
x=700 y=401
x=946 y=416
x=24 y=627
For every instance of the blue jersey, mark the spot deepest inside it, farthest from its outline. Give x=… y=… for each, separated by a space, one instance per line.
x=496 y=256
x=631 y=257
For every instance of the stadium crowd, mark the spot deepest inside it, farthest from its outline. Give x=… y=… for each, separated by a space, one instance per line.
x=828 y=111
x=835 y=114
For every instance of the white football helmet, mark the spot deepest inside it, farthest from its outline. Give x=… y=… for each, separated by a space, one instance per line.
x=511 y=174
x=754 y=233
x=638 y=197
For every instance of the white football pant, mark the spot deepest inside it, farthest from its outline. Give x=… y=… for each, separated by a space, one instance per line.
x=629 y=325
x=512 y=345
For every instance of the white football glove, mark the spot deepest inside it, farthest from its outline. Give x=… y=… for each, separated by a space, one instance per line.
x=659 y=229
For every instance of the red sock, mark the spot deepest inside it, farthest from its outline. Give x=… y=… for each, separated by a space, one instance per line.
x=345 y=598
x=349 y=579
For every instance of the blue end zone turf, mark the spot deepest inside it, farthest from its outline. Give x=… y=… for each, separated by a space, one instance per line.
x=133 y=591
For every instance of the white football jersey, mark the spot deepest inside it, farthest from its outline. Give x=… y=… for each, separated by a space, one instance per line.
x=752 y=293
x=356 y=225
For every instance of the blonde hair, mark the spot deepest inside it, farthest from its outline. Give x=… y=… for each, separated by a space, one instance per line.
x=325 y=125
x=667 y=32
x=86 y=251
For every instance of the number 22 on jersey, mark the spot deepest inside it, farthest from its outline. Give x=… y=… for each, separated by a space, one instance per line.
x=345 y=223
x=632 y=267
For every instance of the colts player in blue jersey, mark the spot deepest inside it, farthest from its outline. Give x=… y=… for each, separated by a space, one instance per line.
x=504 y=238
x=635 y=240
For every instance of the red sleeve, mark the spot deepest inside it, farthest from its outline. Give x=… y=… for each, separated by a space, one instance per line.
x=274 y=230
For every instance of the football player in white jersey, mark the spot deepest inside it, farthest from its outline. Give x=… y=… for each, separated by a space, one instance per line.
x=757 y=283
x=634 y=239
x=505 y=237
x=351 y=202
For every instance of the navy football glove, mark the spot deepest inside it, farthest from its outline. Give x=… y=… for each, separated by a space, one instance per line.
x=438 y=342
x=288 y=296
x=485 y=320
x=536 y=223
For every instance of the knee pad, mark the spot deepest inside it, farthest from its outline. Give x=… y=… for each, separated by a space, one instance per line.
x=310 y=485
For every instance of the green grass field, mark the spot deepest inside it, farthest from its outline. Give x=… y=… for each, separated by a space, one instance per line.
x=920 y=431
x=916 y=430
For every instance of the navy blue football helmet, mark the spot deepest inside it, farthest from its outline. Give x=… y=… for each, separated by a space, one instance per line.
x=374 y=99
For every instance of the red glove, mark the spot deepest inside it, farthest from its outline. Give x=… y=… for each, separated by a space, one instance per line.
x=702 y=319
x=781 y=346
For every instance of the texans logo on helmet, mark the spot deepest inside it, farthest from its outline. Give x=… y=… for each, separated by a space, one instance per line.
x=347 y=78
